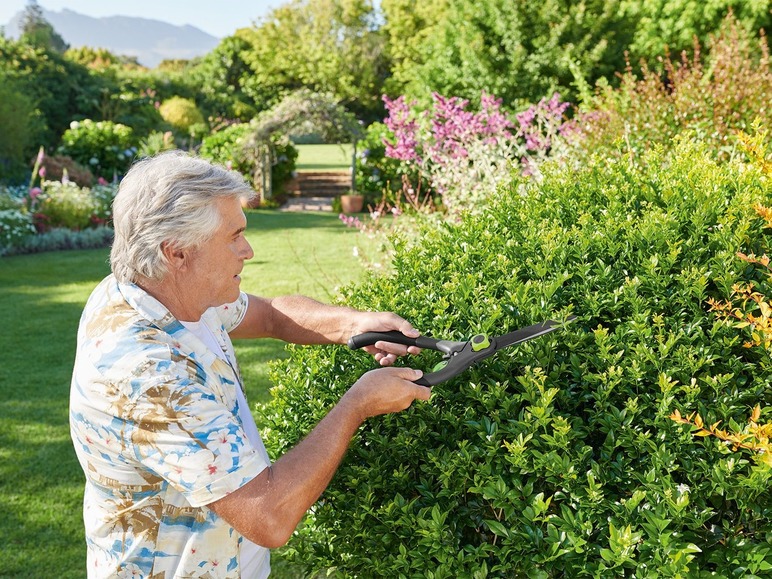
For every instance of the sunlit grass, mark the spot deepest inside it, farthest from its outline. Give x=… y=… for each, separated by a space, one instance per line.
x=324 y=157
x=41 y=484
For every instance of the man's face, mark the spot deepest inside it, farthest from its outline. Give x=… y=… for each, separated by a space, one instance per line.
x=214 y=268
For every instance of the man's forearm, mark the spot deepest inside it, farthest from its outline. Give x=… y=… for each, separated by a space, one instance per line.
x=268 y=509
x=295 y=319
x=302 y=320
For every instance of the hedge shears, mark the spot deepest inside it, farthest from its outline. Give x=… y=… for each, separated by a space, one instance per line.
x=457 y=356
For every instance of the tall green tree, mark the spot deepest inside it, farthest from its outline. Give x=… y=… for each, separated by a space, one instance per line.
x=517 y=50
x=221 y=76
x=327 y=46
x=408 y=27
x=673 y=25
x=60 y=89
x=19 y=121
x=37 y=31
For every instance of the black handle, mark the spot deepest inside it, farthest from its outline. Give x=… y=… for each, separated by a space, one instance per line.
x=395 y=337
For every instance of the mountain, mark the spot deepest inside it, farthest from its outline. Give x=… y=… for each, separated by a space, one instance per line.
x=150 y=41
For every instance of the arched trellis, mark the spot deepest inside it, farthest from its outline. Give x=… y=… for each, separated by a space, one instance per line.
x=303 y=111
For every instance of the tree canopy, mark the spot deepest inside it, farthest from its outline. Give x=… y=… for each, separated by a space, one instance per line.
x=37 y=31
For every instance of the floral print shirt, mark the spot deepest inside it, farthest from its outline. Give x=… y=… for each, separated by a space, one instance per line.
x=154 y=420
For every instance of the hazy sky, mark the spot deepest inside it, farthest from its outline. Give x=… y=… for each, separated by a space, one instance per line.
x=217 y=17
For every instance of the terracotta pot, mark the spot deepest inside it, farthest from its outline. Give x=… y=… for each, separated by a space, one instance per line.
x=352 y=203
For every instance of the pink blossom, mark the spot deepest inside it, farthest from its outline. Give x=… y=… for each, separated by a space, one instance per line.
x=42 y=172
x=403 y=124
x=350 y=221
x=35 y=192
x=464 y=153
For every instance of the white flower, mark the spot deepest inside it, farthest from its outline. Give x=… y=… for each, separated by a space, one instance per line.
x=221 y=441
x=682 y=489
x=187 y=468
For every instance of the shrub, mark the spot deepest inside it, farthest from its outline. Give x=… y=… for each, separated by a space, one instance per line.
x=15 y=227
x=65 y=205
x=59 y=239
x=13 y=197
x=105 y=147
x=463 y=154
x=286 y=156
x=16 y=224
x=557 y=458
x=711 y=99
x=224 y=147
x=377 y=173
x=181 y=113
x=227 y=147
x=140 y=111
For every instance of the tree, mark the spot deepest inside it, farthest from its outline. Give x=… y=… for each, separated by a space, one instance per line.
x=674 y=24
x=324 y=45
x=18 y=119
x=60 y=89
x=517 y=50
x=37 y=31
x=221 y=76
x=93 y=58
x=408 y=26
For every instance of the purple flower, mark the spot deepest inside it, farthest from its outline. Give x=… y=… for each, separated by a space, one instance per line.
x=526 y=118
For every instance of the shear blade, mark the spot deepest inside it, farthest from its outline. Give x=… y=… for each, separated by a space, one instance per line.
x=529 y=333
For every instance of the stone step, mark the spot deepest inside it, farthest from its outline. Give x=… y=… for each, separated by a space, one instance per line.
x=319 y=184
x=307 y=204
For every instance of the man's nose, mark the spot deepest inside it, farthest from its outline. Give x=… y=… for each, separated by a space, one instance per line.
x=247 y=251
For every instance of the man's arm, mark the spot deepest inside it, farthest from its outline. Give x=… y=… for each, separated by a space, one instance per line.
x=302 y=320
x=268 y=508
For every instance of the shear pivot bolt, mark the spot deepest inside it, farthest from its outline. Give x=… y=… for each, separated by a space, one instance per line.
x=480 y=342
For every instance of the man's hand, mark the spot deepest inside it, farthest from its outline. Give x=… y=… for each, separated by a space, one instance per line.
x=385 y=353
x=385 y=390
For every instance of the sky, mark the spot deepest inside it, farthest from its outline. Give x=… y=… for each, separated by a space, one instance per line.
x=219 y=18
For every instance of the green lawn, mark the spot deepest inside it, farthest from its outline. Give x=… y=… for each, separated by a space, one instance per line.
x=324 y=157
x=41 y=484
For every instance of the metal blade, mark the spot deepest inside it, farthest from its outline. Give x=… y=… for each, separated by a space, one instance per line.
x=529 y=333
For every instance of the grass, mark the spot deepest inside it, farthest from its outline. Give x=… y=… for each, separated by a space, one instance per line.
x=41 y=483
x=324 y=157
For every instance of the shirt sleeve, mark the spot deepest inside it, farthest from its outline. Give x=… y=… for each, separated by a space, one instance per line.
x=184 y=433
x=231 y=315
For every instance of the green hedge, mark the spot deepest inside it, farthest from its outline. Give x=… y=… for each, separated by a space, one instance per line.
x=558 y=458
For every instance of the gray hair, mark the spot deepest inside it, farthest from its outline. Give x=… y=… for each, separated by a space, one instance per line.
x=167 y=198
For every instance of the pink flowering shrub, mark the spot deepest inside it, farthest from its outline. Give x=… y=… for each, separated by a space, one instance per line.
x=465 y=155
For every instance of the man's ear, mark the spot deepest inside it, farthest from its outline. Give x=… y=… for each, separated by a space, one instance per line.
x=176 y=258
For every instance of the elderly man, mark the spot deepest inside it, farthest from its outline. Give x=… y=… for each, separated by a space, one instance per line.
x=178 y=483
